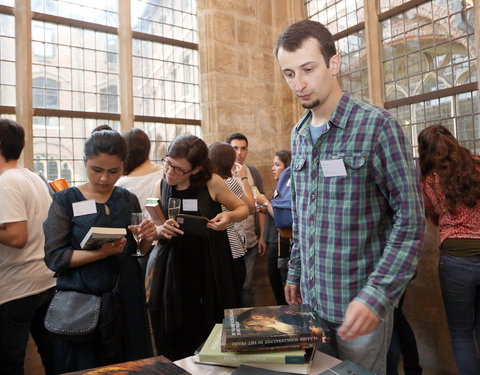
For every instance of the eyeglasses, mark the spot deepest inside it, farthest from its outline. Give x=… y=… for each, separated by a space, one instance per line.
x=177 y=170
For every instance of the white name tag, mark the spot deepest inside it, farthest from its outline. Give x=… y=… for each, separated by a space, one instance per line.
x=84 y=208
x=333 y=168
x=190 y=205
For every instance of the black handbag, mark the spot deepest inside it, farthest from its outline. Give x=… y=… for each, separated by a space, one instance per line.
x=73 y=315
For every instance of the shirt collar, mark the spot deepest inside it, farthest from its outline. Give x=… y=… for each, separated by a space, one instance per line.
x=338 y=117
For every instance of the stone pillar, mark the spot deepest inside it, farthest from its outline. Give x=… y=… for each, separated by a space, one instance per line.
x=242 y=87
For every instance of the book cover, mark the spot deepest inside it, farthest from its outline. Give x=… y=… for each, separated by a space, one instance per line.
x=97 y=236
x=346 y=368
x=156 y=365
x=211 y=352
x=271 y=326
x=155 y=210
x=59 y=184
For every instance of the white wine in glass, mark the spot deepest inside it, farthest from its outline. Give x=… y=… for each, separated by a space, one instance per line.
x=173 y=208
x=135 y=220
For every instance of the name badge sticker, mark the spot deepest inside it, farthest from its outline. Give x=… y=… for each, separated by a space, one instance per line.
x=190 y=204
x=84 y=208
x=333 y=168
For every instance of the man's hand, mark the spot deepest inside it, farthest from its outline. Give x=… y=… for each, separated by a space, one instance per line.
x=262 y=246
x=359 y=320
x=292 y=294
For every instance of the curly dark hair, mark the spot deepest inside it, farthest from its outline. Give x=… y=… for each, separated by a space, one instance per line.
x=456 y=168
x=195 y=150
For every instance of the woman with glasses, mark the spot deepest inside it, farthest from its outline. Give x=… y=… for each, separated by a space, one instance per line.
x=193 y=279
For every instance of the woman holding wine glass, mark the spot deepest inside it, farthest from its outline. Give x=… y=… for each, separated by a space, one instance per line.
x=193 y=279
x=98 y=202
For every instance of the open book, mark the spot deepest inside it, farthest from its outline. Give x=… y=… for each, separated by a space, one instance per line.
x=97 y=236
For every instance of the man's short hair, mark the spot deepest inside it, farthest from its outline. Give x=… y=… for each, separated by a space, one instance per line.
x=295 y=35
x=12 y=139
x=238 y=136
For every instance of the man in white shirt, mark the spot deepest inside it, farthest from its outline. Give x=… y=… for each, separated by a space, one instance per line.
x=254 y=224
x=26 y=284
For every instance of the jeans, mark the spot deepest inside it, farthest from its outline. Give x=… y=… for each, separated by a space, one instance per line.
x=19 y=318
x=368 y=351
x=460 y=284
x=247 y=290
x=403 y=344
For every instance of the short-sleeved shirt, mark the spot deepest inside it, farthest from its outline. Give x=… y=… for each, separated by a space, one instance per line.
x=24 y=197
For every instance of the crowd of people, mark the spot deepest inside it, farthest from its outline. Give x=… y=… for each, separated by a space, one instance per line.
x=357 y=225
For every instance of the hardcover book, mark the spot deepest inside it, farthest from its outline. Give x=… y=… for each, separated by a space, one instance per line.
x=211 y=352
x=270 y=326
x=346 y=368
x=97 y=236
x=155 y=210
x=156 y=365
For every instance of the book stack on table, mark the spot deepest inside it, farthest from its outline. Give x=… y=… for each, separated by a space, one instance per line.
x=280 y=338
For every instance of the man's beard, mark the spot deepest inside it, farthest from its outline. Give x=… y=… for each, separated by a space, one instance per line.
x=311 y=105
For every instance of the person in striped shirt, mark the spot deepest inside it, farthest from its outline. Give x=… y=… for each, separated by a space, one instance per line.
x=358 y=221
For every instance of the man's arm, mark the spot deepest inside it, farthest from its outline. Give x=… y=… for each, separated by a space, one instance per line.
x=14 y=234
x=257 y=180
x=394 y=174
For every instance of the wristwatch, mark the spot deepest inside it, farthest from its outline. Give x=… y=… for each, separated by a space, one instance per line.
x=265 y=205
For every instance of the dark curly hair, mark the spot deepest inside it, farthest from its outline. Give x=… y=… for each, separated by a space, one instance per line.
x=195 y=150
x=456 y=168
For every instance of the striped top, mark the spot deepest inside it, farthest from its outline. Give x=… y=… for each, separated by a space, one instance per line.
x=356 y=236
x=237 y=243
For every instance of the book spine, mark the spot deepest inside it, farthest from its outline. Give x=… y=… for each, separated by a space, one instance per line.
x=251 y=358
x=255 y=342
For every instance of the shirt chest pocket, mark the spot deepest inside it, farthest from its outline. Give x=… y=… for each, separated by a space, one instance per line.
x=354 y=163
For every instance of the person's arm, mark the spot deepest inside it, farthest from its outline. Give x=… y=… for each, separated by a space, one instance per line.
x=262 y=200
x=60 y=254
x=262 y=246
x=292 y=286
x=220 y=192
x=394 y=174
x=429 y=195
x=247 y=197
x=14 y=234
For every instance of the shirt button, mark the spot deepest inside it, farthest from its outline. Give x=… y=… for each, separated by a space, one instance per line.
x=313 y=196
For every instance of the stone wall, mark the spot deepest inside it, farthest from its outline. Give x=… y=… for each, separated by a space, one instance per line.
x=242 y=88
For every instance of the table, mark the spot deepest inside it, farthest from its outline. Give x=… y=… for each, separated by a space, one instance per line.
x=321 y=362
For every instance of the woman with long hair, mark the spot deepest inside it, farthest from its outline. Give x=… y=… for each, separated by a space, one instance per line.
x=193 y=279
x=276 y=242
x=223 y=156
x=98 y=202
x=140 y=173
x=451 y=186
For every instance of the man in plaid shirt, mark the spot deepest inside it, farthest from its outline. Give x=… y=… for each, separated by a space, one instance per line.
x=358 y=221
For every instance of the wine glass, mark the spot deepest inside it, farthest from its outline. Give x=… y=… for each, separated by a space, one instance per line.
x=173 y=208
x=135 y=219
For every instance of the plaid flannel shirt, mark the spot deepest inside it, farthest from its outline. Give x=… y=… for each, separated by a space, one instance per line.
x=355 y=236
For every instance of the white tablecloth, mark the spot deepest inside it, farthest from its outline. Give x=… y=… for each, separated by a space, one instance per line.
x=321 y=362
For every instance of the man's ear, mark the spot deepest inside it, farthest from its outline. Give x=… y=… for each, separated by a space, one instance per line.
x=335 y=63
